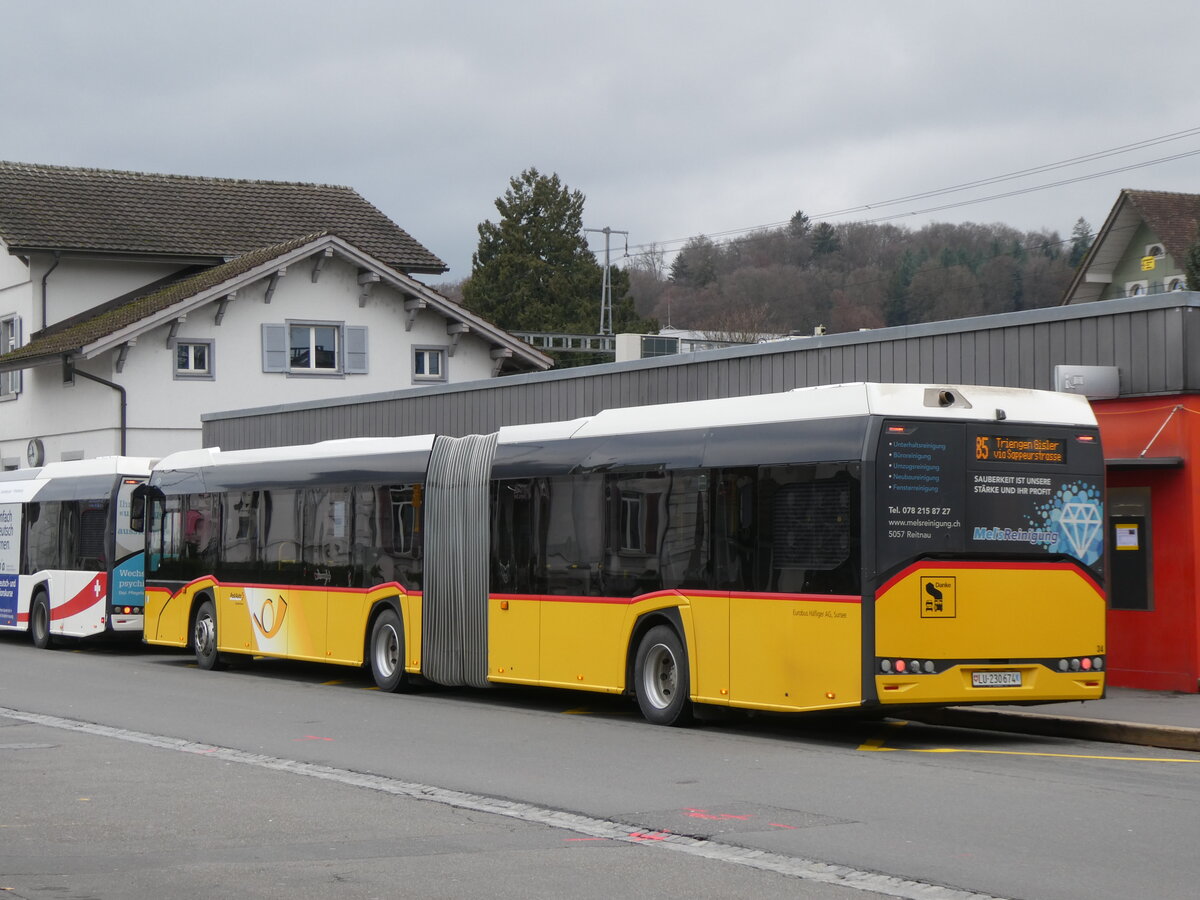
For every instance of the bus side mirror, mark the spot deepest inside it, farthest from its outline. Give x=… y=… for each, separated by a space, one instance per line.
x=137 y=508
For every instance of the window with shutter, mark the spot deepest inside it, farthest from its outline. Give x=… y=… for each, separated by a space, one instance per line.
x=10 y=339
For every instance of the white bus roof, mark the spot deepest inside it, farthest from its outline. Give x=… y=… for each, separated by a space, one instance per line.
x=964 y=402
x=100 y=465
x=343 y=448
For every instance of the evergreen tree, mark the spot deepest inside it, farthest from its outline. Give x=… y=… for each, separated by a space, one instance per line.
x=1081 y=241
x=696 y=263
x=800 y=225
x=533 y=270
x=825 y=239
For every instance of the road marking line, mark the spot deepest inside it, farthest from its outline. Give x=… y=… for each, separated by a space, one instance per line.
x=792 y=866
x=876 y=745
x=1032 y=753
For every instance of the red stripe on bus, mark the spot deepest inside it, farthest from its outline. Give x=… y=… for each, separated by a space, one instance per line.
x=934 y=565
x=682 y=594
x=545 y=598
x=94 y=593
x=244 y=585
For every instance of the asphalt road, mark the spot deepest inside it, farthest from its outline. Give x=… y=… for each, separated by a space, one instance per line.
x=131 y=774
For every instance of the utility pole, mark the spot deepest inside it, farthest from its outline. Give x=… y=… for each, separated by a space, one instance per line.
x=606 y=326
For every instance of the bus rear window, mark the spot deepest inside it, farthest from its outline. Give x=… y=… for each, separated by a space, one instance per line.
x=991 y=489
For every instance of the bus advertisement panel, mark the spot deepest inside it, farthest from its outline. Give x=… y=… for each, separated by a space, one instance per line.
x=10 y=562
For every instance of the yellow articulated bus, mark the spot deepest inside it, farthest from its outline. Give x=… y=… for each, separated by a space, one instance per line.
x=851 y=546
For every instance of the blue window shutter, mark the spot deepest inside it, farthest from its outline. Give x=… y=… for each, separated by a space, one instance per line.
x=356 y=350
x=274 y=348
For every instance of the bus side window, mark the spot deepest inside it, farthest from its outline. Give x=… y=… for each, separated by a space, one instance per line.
x=42 y=549
x=733 y=543
x=239 y=550
x=327 y=536
x=518 y=536
x=282 y=524
x=810 y=525
x=165 y=537
x=685 y=546
x=571 y=535
x=658 y=532
x=388 y=535
x=80 y=536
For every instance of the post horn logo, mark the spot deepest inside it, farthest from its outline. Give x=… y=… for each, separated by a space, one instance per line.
x=267 y=620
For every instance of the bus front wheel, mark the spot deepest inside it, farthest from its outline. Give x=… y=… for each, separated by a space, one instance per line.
x=386 y=652
x=660 y=678
x=204 y=636
x=39 y=621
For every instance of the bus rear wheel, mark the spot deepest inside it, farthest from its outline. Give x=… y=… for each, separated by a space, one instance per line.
x=204 y=636
x=660 y=678
x=386 y=652
x=39 y=621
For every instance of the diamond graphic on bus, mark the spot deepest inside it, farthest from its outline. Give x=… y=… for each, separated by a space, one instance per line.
x=1076 y=514
x=1081 y=524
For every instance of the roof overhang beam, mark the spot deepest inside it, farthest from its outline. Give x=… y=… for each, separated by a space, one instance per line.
x=456 y=330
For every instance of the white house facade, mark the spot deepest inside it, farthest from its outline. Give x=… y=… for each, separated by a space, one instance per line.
x=121 y=349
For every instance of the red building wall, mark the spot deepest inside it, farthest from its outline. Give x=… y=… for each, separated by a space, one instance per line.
x=1159 y=648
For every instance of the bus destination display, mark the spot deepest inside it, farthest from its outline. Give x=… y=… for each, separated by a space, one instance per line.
x=994 y=448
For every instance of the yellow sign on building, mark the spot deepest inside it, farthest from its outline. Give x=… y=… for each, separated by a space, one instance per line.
x=1148 y=263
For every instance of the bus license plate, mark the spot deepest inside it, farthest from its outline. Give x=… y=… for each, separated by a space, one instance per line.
x=995 y=679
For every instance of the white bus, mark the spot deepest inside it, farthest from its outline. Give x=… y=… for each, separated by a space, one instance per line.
x=70 y=566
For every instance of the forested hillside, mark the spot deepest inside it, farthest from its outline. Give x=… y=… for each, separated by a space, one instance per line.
x=854 y=275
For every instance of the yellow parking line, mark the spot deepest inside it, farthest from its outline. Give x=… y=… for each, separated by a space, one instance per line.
x=1059 y=755
x=876 y=745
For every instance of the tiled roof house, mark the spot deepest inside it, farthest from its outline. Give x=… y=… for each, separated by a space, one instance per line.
x=132 y=303
x=1140 y=249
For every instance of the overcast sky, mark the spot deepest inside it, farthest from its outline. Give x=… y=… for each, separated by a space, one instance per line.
x=673 y=118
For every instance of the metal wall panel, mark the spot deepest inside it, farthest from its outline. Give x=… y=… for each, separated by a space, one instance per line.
x=1151 y=340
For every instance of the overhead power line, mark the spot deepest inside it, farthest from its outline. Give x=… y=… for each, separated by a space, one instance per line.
x=663 y=246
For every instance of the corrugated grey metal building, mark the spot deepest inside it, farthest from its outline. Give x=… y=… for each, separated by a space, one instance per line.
x=1154 y=341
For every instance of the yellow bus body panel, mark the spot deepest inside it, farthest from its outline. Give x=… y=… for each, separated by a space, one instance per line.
x=410 y=612
x=166 y=620
x=988 y=612
x=706 y=629
x=791 y=653
x=304 y=623
x=514 y=645
x=787 y=653
x=582 y=644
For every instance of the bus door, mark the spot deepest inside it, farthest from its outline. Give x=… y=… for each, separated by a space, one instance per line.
x=330 y=609
x=127 y=586
x=280 y=610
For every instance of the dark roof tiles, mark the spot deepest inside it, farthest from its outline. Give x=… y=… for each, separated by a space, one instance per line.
x=62 y=208
x=72 y=334
x=1172 y=217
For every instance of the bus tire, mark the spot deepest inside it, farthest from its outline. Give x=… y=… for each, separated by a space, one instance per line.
x=39 y=621
x=204 y=636
x=660 y=677
x=385 y=652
